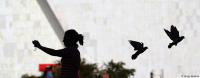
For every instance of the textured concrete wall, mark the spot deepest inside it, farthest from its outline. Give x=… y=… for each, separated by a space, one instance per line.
x=107 y=26
x=111 y=23
x=21 y=21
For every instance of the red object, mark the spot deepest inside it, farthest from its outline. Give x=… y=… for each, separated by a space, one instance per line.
x=79 y=75
x=42 y=67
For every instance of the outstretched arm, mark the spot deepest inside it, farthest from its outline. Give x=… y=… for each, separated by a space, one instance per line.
x=48 y=50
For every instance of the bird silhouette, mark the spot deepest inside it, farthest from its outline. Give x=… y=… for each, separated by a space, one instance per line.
x=174 y=36
x=139 y=46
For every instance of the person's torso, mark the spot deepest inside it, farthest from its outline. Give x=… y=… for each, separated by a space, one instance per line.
x=71 y=61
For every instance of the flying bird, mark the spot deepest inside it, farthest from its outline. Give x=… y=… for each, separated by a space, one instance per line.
x=174 y=36
x=137 y=46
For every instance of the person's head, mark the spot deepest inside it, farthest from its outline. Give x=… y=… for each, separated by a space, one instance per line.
x=71 y=38
x=49 y=68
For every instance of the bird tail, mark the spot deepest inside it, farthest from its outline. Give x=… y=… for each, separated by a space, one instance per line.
x=134 y=56
x=170 y=45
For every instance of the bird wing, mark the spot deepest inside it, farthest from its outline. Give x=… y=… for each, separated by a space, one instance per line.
x=135 y=44
x=174 y=31
x=170 y=35
x=141 y=44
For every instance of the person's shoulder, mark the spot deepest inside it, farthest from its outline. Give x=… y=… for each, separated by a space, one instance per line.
x=71 y=48
x=68 y=49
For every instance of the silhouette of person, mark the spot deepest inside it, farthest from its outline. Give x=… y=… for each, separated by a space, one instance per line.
x=49 y=72
x=45 y=73
x=105 y=74
x=70 y=62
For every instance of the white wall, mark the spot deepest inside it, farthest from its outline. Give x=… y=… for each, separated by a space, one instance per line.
x=22 y=21
x=111 y=23
x=108 y=25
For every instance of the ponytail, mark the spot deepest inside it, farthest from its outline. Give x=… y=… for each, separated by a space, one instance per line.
x=72 y=37
x=80 y=39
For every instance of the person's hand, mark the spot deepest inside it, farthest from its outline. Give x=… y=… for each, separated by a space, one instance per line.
x=36 y=43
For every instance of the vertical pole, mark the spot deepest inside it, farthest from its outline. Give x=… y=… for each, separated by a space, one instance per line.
x=162 y=73
x=151 y=74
